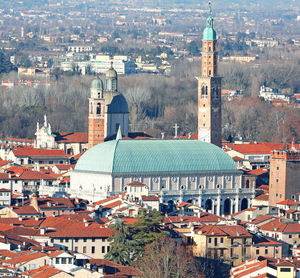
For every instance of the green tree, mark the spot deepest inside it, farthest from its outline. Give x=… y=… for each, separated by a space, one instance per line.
x=5 y=65
x=123 y=249
x=193 y=48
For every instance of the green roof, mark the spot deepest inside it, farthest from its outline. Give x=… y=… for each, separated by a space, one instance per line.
x=97 y=84
x=209 y=33
x=145 y=156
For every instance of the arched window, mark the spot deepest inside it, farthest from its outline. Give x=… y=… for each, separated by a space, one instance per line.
x=204 y=91
x=98 y=109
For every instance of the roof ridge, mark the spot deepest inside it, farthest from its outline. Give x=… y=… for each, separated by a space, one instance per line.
x=114 y=154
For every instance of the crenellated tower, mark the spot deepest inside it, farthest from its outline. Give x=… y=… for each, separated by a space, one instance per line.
x=209 y=88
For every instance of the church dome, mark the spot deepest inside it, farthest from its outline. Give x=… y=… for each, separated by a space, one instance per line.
x=118 y=105
x=156 y=156
x=209 y=33
x=97 y=84
x=111 y=73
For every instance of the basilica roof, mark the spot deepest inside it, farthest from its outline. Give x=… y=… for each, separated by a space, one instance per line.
x=155 y=156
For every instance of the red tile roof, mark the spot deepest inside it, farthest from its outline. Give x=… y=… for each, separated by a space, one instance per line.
x=25 y=210
x=54 y=202
x=113 y=205
x=258 y=172
x=225 y=230
x=71 y=137
x=136 y=183
x=80 y=231
x=20 y=140
x=5 y=190
x=24 y=259
x=45 y=271
x=105 y=200
x=263 y=197
x=258 y=148
x=149 y=198
x=288 y=202
x=27 y=151
x=278 y=226
x=5 y=162
x=65 y=167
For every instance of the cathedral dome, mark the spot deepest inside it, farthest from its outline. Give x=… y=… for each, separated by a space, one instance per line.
x=155 y=156
x=97 y=84
x=111 y=73
x=118 y=105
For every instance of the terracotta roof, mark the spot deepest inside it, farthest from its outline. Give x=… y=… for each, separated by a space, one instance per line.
x=225 y=230
x=288 y=202
x=278 y=226
x=64 y=167
x=8 y=254
x=113 y=205
x=258 y=172
x=129 y=221
x=261 y=218
x=71 y=137
x=20 y=140
x=136 y=183
x=183 y=204
x=4 y=162
x=150 y=198
x=45 y=271
x=237 y=158
x=5 y=190
x=264 y=187
x=105 y=200
x=26 y=151
x=258 y=148
x=25 y=258
x=54 y=202
x=25 y=210
x=263 y=197
x=4 y=176
x=80 y=232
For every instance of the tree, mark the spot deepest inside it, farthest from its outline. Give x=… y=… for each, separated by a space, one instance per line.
x=193 y=48
x=123 y=249
x=128 y=242
x=5 y=65
x=166 y=258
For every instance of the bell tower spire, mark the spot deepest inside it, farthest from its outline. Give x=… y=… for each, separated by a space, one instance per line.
x=209 y=87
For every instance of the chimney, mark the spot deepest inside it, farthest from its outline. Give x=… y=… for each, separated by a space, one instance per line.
x=86 y=224
x=42 y=231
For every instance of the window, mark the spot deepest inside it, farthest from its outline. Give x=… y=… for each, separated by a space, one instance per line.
x=285 y=269
x=98 y=109
x=70 y=260
x=204 y=91
x=76 y=248
x=277 y=180
x=61 y=240
x=209 y=240
x=57 y=260
x=93 y=249
x=103 y=249
x=103 y=239
x=266 y=251
x=84 y=249
x=277 y=168
x=216 y=241
x=63 y=260
x=50 y=162
x=290 y=236
x=84 y=240
x=52 y=240
x=257 y=251
x=93 y=240
x=76 y=239
x=222 y=240
x=67 y=240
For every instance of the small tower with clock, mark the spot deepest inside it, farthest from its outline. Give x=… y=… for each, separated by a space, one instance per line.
x=209 y=88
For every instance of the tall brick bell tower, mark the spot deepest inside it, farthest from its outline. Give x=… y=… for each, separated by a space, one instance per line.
x=96 y=114
x=209 y=89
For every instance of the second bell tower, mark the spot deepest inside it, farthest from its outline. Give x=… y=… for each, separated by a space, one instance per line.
x=209 y=89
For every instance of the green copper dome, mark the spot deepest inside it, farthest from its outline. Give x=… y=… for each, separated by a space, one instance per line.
x=209 y=33
x=145 y=156
x=97 y=84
